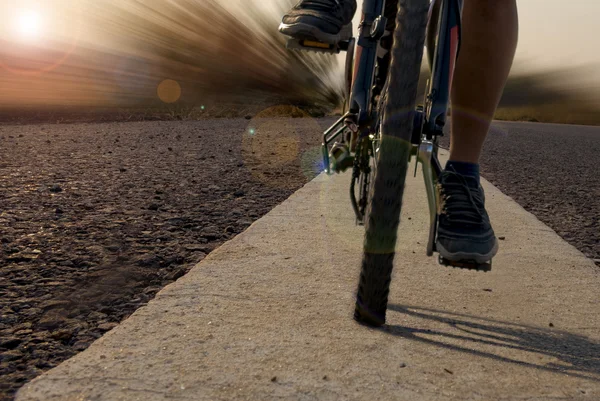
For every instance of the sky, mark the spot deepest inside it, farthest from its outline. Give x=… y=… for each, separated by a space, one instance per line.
x=558 y=33
x=553 y=33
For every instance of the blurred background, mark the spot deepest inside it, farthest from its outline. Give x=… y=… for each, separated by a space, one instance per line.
x=143 y=59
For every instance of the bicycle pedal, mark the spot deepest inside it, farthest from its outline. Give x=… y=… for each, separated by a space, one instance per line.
x=466 y=264
x=341 y=158
x=316 y=46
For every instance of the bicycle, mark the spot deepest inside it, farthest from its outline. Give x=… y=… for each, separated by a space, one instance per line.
x=383 y=128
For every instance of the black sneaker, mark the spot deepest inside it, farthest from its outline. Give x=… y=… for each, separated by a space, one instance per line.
x=464 y=230
x=322 y=20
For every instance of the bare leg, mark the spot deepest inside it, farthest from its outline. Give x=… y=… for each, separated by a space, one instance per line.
x=489 y=40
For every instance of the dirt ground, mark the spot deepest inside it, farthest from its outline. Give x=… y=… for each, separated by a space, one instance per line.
x=96 y=218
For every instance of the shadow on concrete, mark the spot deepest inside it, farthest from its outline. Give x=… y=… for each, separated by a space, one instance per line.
x=576 y=355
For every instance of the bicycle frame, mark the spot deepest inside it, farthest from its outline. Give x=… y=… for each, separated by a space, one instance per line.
x=443 y=42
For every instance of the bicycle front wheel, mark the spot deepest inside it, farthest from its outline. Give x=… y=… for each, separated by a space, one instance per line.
x=383 y=213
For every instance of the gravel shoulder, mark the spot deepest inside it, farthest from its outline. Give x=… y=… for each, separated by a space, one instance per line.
x=97 y=218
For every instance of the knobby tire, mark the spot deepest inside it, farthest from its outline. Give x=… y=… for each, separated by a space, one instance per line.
x=383 y=212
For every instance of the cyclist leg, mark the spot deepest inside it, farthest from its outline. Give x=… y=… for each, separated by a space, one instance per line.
x=489 y=38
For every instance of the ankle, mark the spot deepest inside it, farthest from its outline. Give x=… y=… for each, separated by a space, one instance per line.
x=464 y=168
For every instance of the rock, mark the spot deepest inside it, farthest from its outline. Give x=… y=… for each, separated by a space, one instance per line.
x=10 y=356
x=80 y=346
x=230 y=229
x=62 y=335
x=10 y=342
x=25 y=256
x=153 y=206
x=59 y=211
x=41 y=364
x=54 y=304
x=248 y=117
x=97 y=316
x=151 y=290
x=52 y=322
x=239 y=193
x=112 y=248
x=23 y=326
x=196 y=248
x=211 y=234
x=56 y=188
x=176 y=274
x=178 y=221
x=147 y=260
x=107 y=326
x=174 y=260
x=501 y=238
x=244 y=222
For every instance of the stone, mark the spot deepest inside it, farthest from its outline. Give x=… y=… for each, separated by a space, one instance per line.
x=55 y=188
x=10 y=342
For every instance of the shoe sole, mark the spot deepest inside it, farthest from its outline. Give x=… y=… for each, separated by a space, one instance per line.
x=305 y=31
x=467 y=256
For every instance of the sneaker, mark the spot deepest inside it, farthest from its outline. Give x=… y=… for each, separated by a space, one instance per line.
x=322 y=20
x=464 y=231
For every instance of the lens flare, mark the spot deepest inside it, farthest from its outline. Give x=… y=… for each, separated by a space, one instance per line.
x=169 y=91
x=274 y=147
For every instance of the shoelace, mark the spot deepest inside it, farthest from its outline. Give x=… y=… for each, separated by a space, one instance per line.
x=324 y=5
x=460 y=202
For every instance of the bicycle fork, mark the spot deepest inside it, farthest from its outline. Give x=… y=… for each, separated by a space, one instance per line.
x=443 y=46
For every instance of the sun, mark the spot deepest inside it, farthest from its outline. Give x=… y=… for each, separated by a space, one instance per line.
x=28 y=24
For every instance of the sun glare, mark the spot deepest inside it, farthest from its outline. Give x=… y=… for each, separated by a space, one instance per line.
x=28 y=24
